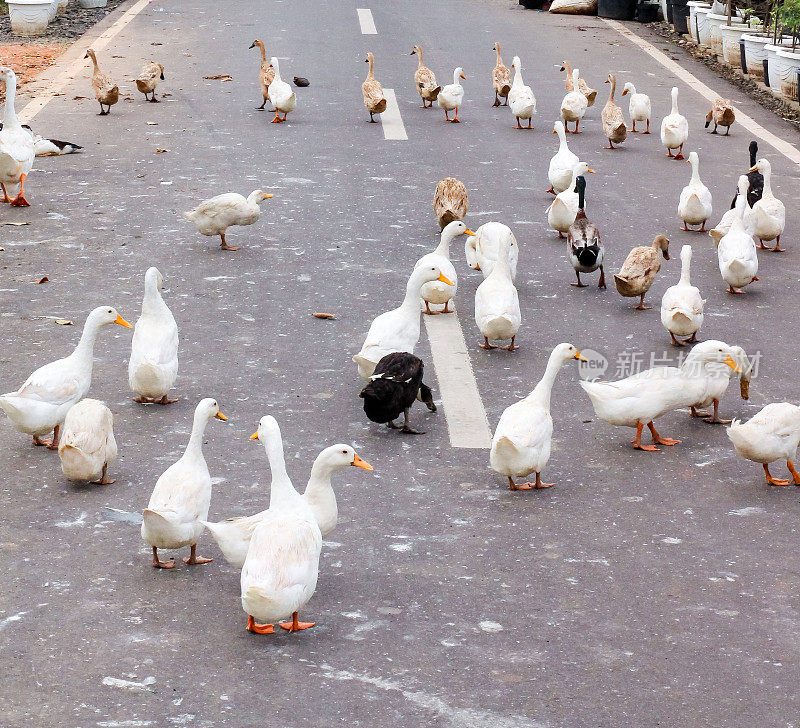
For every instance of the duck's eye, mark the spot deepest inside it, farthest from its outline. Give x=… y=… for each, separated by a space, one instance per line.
x=344 y=452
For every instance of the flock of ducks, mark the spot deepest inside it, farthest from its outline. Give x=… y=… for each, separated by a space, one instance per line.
x=278 y=549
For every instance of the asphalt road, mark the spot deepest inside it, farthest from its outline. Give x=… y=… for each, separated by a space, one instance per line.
x=643 y=590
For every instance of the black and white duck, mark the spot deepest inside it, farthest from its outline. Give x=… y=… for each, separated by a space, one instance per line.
x=584 y=248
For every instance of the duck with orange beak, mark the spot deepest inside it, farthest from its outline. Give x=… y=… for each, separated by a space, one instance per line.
x=452 y=96
x=41 y=404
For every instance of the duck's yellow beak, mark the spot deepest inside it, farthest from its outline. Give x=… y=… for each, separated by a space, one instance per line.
x=463 y=76
x=579 y=356
x=359 y=463
x=122 y=322
x=254 y=436
x=220 y=416
x=468 y=232
x=732 y=364
x=444 y=279
x=592 y=171
x=554 y=131
x=266 y=196
x=753 y=169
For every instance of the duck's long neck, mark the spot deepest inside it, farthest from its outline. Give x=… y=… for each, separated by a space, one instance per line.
x=277 y=71
x=686 y=265
x=263 y=55
x=575 y=80
x=518 y=76
x=767 y=174
x=370 y=75
x=152 y=303
x=632 y=91
x=444 y=245
x=411 y=300
x=562 y=139
x=10 y=120
x=195 y=446
x=542 y=391
x=84 y=351
x=281 y=490
x=94 y=62
x=320 y=479
x=419 y=58
x=695 y=171
x=456 y=82
x=613 y=90
x=497 y=50
x=674 y=102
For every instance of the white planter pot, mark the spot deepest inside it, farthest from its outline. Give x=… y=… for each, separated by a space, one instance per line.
x=730 y=43
x=789 y=64
x=92 y=3
x=53 y=9
x=715 y=23
x=701 y=25
x=29 y=17
x=755 y=54
x=777 y=66
x=62 y=6
x=694 y=6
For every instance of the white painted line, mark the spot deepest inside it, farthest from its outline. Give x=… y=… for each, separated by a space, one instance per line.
x=787 y=150
x=463 y=408
x=393 y=127
x=366 y=22
x=41 y=99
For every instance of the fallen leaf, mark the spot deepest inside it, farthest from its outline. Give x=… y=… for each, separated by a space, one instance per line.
x=43 y=279
x=2 y=250
x=220 y=77
x=323 y=315
x=79 y=98
x=156 y=44
x=16 y=224
x=161 y=151
x=151 y=123
x=64 y=322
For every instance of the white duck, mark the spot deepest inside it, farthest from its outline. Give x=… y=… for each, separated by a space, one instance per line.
x=437 y=292
x=87 y=443
x=497 y=312
x=521 y=442
x=718 y=377
x=562 y=163
x=638 y=107
x=398 y=329
x=521 y=98
x=215 y=215
x=280 y=94
x=179 y=503
x=674 y=128
x=16 y=146
x=639 y=399
x=771 y=434
x=562 y=211
x=694 y=206
x=736 y=251
x=40 y=405
x=153 y=366
x=280 y=571
x=768 y=214
x=682 y=305
x=574 y=105
x=233 y=535
x=483 y=249
x=452 y=95
x=723 y=227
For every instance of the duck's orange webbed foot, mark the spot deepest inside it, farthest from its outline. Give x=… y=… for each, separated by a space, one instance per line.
x=295 y=625
x=253 y=626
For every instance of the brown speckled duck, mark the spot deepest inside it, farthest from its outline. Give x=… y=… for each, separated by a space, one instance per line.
x=105 y=90
x=640 y=268
x=450 y=201
x=501 y=79
x=266 y=74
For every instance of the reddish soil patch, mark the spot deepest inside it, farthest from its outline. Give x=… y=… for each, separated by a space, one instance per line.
x=30 y=59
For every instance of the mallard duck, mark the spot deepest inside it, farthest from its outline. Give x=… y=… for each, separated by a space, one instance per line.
x=398 y=329
x=694 y=206
x=105 y=90
x=771 y=434
x=87 y=443
x=521 y=98
x=501 y=79
x=153 y=366
x=682 y=304
x=279 y=574
x=574 y=105
x=522 y=440
x=265 y=75
x=215 y=215
x=736 y=250
x=450 y=201
x=392 y=389
x=583 y=87
x=640 y=268
x=674 y=128
x=16 y=146
x=562 y=211
x=754 y=178
x=372 y=91
x=452 y=96
x=280 y=94
x=485 y=247
x=640 y=399
x=718 y=376
x=233 y=535
x=179 y=503
x=638 y=107
x=497 y=312
x=721 y=114
x=613 y=121
x=437 y=292
x=40 y=405
x=425 y=81
x=768 y=214
x=584 y=249
x=562 y=163
x=148 y=79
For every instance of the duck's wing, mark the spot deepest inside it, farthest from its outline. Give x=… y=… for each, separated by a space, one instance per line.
x=51 y=384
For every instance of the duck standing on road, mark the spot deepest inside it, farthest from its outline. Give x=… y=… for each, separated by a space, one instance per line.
x=613 y=121
x=721 y=114
x=584 y=249
x=674 y=129
x=265 y=75
x=574 y=105
x=563 y=210
x=769 y=214
x=280 y=94
x=437 y=292
x=520 y=97
x=105 y=90
x=148 y=79
x=450 y=201
x=682 y=305
x=640 y=269
x=497 y=312
x=638 y=107
x=215 y=215
x=736 y=250
x=694 y=206
x=87 y=443
x=452 y=96
x=754 y=178
x=17 y=150
x=559 y=173
x=484 y=249
x=425 y=81
x=372 y=91
x=582 y=86
x=501 y=79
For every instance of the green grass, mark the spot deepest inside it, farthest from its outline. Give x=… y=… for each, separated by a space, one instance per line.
x=3 y=8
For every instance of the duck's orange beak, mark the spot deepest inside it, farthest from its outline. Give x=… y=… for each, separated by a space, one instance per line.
x=359 y=463
x=444 y=279
x=254 y=436
x=579 y=356
x=122 y=322
x=220 y=416
x=468 y=232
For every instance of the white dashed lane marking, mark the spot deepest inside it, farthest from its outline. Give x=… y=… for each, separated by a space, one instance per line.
x=366 y=22
x=393 y=127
